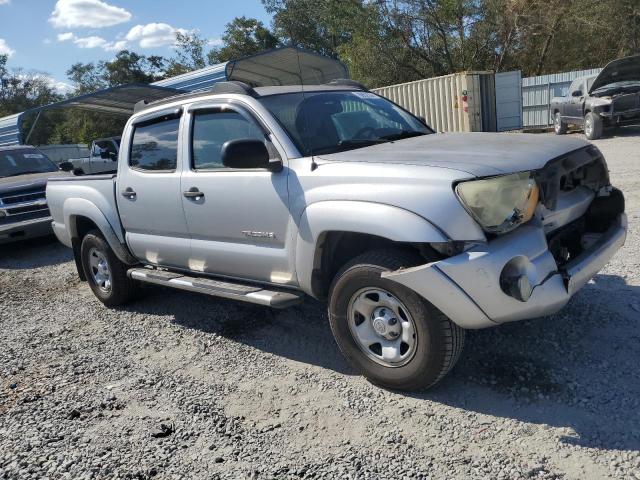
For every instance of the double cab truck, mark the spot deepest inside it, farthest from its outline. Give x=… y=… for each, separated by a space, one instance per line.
x=609 y=99
x=24 y=172
x=270 y=194
x=103 y=158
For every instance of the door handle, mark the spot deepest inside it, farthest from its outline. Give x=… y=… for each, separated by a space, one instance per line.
x=128 y=193
x=194 y=193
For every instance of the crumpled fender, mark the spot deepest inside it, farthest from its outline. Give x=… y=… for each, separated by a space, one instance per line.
x=379 y=219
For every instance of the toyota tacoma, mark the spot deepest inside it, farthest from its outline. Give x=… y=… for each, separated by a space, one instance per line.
x=269 y=194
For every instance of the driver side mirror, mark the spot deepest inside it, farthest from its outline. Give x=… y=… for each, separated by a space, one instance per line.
x=576 y=93
x=66 y=166
x=248 y=153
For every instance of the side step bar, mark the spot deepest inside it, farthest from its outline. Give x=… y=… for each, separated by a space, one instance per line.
x=217 y=288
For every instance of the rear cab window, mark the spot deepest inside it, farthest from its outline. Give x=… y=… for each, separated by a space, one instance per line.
x=154 y=146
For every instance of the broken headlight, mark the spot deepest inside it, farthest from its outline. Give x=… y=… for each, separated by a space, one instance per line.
x=500 y=204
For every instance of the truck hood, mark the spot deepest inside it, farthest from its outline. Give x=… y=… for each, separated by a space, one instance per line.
x=620 y=70
x=32 y=180
x=478 y=154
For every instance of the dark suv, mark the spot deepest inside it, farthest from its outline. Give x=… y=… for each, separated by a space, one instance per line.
x=24 y=172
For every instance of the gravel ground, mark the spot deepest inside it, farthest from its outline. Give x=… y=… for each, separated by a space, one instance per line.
x=178 y=385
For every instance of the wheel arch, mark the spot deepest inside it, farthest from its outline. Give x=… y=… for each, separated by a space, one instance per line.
x=333 y=232
x=81 y=216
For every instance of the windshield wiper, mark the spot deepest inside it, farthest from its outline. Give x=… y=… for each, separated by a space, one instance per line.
x=403 y=134
x=360 y=141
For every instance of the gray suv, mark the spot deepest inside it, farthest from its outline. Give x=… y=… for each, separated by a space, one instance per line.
x=24 y=172
x=269 y=194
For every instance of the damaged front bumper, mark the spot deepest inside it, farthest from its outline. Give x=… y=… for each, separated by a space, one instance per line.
x=469 y=287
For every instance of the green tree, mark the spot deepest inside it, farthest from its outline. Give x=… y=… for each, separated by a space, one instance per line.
x=126 y=67
x=321 y=26
x=20 y=90
x=242 y=37
x=189 y=54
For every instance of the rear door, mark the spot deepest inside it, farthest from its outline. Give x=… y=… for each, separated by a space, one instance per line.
x=148 y=191
x=240 y=224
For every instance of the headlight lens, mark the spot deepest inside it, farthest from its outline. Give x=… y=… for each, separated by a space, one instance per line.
x=500 y=204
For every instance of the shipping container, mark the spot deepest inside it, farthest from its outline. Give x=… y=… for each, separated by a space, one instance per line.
x=460 y=102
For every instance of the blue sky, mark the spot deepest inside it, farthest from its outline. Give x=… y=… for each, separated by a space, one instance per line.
x=50 y=35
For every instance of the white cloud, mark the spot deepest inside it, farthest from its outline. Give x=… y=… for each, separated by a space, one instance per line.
x=87 y=13
x=5 y=2
x=215 y=42
x=63 y=37
x=5 y=49
x=60 y=87
x=92 y=41
x=153 y=35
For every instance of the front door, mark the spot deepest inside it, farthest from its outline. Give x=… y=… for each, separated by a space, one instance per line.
x=576 y=101
x=240 y=223
x=149 y=194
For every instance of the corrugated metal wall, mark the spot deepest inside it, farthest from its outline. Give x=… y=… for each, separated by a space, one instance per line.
x=10 y=130
x=537 y=93
x=197 y=80
x=452 y=103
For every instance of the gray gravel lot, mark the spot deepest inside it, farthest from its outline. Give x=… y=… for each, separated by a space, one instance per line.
x=178 y=385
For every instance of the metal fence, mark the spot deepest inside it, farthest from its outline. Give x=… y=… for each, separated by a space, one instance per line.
x=537 y=93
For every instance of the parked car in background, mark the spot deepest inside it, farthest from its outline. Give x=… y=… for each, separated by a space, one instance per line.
x=103 y=158
x=266 y=195
x=59 y=153
x=24 y=172
x=609 y=99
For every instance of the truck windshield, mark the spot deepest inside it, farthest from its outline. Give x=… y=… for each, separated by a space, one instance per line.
x=334 y=121
x=22 y=162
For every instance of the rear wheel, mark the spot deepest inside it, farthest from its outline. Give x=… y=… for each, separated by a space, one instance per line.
x=593 y=126
x=558 y=125
x=105 y=273
x=388 y=332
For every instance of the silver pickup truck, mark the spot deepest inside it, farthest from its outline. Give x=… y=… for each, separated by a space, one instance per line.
x=103 y=158
x=269 y=194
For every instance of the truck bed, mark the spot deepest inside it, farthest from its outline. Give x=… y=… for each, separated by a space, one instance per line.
x=94 y=196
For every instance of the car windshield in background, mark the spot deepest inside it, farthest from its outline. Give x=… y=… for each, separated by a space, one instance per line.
x=334 y=121
x=23 y=162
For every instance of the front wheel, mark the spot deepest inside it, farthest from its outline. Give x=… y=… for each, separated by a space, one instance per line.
x=558 y=125
x=105 y=273
x=593 y=126
x=388 y=332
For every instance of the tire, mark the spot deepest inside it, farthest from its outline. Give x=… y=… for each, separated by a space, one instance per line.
x=593 y=126
x=111 y=286
x=434 y=347
x=558 y=125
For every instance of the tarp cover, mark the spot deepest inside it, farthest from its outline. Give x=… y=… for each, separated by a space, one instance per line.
x=286 y=66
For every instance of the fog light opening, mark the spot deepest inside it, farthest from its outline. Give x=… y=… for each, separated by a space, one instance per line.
x=517 y=287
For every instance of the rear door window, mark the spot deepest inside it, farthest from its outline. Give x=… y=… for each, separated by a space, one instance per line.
x=155 y=146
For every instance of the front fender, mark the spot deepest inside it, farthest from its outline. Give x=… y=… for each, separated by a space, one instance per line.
x=382 y=220
x=78 y=207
